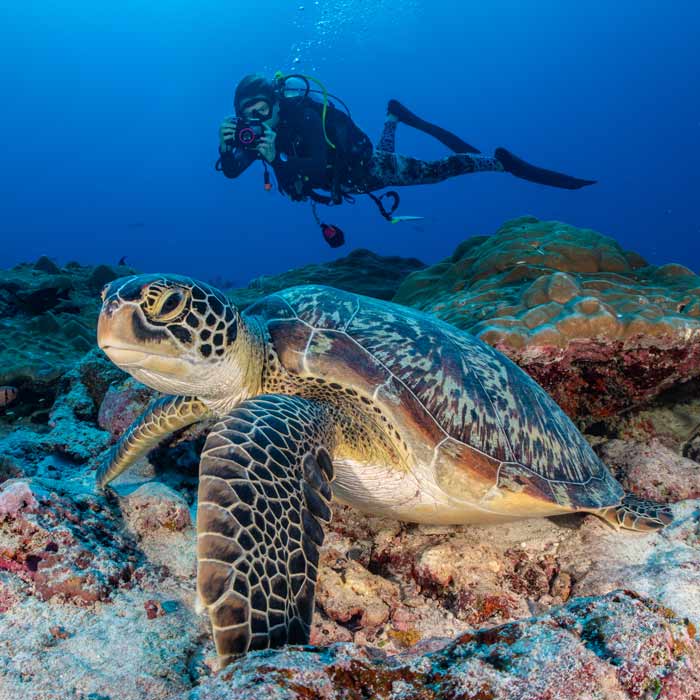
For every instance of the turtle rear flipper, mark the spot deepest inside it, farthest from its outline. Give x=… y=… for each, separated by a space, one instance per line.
x=264 y=487
x=638 y=514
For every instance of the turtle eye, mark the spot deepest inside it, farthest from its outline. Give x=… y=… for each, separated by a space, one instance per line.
x=170 y=305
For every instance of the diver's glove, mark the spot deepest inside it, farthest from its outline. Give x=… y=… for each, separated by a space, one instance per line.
x=227 y=134
x=520 y=168
x=266 y=147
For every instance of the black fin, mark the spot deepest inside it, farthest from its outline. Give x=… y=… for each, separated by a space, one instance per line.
x=518 y=167
x=447 y=138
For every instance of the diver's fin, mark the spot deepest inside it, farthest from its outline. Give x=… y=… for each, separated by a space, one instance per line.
x=453 y=142
x=518 y=167
x=401 y=219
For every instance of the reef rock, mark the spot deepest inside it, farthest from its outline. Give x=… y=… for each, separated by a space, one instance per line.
x=123 y=403
x=65 y=548
x=153 y=507
x=455 y=578
x=48 y=317
x=50 y=434
x=614 y=647
x=118 y=649
x=160 y=519
x=362 y=272
x=652 y=470
x=597 y=326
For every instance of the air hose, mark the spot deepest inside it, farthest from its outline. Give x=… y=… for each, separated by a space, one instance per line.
x=281 y=78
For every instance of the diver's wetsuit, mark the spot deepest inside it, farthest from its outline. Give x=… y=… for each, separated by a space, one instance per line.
x=302 y=160
x=305 y=163
x=389 y=169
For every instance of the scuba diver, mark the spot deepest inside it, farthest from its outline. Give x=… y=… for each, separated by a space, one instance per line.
x=318 y=153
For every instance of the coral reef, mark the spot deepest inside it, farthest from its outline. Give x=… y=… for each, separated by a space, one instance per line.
x=47 y=323
x=454 y=578
x=97 y=590
x=70 y=549
x=588 y=648
x=362 y=272
x=597 y=326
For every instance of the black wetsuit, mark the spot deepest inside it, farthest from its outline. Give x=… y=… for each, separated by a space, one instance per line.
x=308 y=167
x=303 y=162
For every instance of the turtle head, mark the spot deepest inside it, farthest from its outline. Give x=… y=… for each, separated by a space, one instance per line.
x=177 y=336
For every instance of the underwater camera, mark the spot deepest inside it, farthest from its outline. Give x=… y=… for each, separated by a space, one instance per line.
x=248 y=133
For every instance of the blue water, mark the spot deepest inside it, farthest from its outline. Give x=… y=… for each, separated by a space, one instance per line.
x=110 y=112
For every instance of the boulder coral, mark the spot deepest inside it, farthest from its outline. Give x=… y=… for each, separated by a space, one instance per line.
x=596 y=325
x=361 y=271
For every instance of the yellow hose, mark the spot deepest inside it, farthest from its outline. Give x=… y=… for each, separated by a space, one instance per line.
x=281 y=77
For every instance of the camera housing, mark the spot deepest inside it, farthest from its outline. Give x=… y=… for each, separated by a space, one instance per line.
x=248 y=133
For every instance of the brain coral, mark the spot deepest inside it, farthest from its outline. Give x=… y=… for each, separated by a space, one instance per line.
x=596 y=325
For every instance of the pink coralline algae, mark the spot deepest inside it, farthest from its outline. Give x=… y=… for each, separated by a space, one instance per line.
x=63 y=548
x=16 y=496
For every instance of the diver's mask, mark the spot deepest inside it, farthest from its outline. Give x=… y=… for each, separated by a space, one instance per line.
x=258 y=108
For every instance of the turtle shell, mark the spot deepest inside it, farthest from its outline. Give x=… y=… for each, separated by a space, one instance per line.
x=457 y=402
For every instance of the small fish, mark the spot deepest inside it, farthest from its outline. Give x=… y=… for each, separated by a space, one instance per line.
x=122 y=260
x=7 y=395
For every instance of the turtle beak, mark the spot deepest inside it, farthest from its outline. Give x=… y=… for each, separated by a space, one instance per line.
x=115 y=335
x=131 y=343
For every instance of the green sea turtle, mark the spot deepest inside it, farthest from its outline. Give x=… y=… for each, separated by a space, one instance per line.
x=321 y=391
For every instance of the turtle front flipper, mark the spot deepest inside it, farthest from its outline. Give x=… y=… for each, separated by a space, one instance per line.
x=264 y=486
x=636 y=513
x=162 y=418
